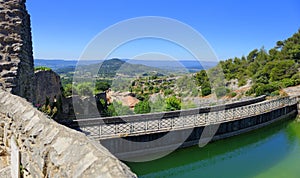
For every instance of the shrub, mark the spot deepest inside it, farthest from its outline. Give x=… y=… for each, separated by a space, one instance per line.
x=275 y=93
x=195 y=92
x=188 y=105
x=288 y=82
x=142 y=107
x=168 y=92
x=150 y=88
x=85 y=89
x=156 y=90
x=43 y=68
x=158 y=104
x=67 y=90
x=50 y=111
x=242 y=82
x=296 y=78
x=173 y=103
x=205 y=91
x=142 y=97
x=267 y=89
x=221 y=91
x=232 y=94
x=117 y=109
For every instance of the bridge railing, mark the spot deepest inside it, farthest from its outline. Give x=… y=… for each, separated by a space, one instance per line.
x=148 y=126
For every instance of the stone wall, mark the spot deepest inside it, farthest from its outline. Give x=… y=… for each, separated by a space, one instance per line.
x=48 y=84
x=16 y=59
x=48 y=149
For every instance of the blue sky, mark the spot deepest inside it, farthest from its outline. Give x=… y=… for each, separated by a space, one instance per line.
x=62 y=29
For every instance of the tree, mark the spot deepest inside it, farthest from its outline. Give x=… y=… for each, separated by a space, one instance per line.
x=283 y=69
x=43 y=68
x=173 y=103
x=201 y=77
x=279 y=44
x=142 y=107
x=205 y=89
x=117 y=109
x=102 y=85
x=252 y=55
x=67 y=90
x=221 y=91
x=186 y=84
x=277 y=67
x=168 y=92
x=158 y=105
x=85 y=89
x=203 y=81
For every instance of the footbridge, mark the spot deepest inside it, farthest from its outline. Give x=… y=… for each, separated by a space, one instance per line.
x=230 y=119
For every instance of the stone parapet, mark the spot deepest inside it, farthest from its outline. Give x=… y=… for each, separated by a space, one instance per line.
x=48 y=149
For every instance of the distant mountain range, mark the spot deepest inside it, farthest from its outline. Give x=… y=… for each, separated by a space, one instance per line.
x=116 y=67
x=175 y=66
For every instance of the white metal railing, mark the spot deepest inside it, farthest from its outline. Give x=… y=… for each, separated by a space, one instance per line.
x=104 y=131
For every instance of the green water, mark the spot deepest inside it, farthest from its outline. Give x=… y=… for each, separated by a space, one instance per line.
x=272 y=151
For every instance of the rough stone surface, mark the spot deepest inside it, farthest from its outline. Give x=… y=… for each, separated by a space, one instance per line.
x=51 y=150
x=48 y=84
x=16 y=59
x=5 y=172
x=47 y=149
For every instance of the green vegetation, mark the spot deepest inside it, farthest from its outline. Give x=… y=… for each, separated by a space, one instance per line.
x=222 y=91
x=42 y=68
x=86 y=88
x=273 y=70
x=67 y=90
x=188 y=105
x=173 y=103
x=158 y=105
x=142 y=107
x=158 y=90
x=269 y=71
x=203 y=81
x=51 y=109
x=116 y=67
x=116 y=109
x=114 y=73
x=232 y=94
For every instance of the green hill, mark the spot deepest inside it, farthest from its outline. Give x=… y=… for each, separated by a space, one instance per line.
x=116 y=67
x=269 y=71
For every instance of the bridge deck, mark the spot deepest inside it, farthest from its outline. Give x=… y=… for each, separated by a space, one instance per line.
x=154 y=123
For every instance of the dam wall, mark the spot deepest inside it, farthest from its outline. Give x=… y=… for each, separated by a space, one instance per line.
x=126 y=137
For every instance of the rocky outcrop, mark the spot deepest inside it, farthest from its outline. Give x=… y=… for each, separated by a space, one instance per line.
x=48 y=149
x=48 y=85
x=16 y=59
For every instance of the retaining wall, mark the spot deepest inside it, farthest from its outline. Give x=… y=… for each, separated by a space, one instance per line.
x=48 y=149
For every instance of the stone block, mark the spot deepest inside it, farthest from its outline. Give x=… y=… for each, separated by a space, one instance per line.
x=37 y=129
x=49 y=137
x=61 y=144
x=14 y=159
x=32 y=123
x=84 y=164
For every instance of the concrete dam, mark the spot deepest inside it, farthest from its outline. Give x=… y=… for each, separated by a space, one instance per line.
x=146 y=134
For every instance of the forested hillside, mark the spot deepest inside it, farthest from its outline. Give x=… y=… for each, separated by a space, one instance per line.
x=269 y=71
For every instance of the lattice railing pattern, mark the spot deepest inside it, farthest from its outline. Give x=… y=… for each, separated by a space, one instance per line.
x=103 y=131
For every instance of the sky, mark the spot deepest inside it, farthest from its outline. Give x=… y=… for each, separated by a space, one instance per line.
x=62 y=29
